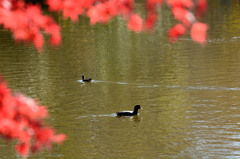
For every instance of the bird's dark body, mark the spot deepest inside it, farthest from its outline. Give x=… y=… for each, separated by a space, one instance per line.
x=86 y=80
x=126 y=113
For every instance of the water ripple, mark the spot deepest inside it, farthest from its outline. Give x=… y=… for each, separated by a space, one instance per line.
x=100 y=115
x=202 y=87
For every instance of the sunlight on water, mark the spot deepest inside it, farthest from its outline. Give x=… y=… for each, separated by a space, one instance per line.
x=174 y=86
x=103 y=115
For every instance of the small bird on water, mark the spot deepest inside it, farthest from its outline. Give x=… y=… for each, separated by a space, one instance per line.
x=129 y=113
x=86 y=80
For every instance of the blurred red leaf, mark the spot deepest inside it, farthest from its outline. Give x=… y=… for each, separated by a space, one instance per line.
x=125 y=6
x=135 y=23
x=198 y=32
x=23 y=148
x=70 y=9
x=38 y=41
x=59 y=138
x=176 y=32
x=102 y=12
x=152 y=3
x=151 y=19
x=181 y=3
x=201 y=7
x=179 y=13
x=55 y=5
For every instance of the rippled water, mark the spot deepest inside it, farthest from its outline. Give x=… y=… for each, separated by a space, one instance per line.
x=189 y=93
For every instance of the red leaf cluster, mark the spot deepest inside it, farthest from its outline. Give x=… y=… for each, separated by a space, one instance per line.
x=151 y=6
x=198 y=32
x=26 y=21
x=177 y=31
x=201 y=7
x=22 y=118
x=135 y=23
x=101 y=11
x=181 y=10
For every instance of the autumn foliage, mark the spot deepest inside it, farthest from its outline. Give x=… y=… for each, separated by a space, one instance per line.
x=27 y=21
x=181 y=10
x=22 y=119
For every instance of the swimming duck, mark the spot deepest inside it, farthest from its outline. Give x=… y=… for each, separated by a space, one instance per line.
x=129 y=113
x=86 y=80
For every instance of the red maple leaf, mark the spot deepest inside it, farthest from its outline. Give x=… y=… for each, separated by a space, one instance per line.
x=181 y=3
x=135 y=22
x=151 y=19
x=198 y=32
x=201 y=7
x=23 y=148
x=176 y=32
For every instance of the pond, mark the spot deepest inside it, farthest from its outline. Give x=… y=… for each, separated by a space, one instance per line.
x=189 y=93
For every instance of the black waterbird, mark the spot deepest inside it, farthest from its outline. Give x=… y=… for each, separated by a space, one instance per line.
x=86 y=80
x=129 y=113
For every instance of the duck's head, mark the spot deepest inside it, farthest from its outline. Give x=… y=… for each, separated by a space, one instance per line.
x=137 y=107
